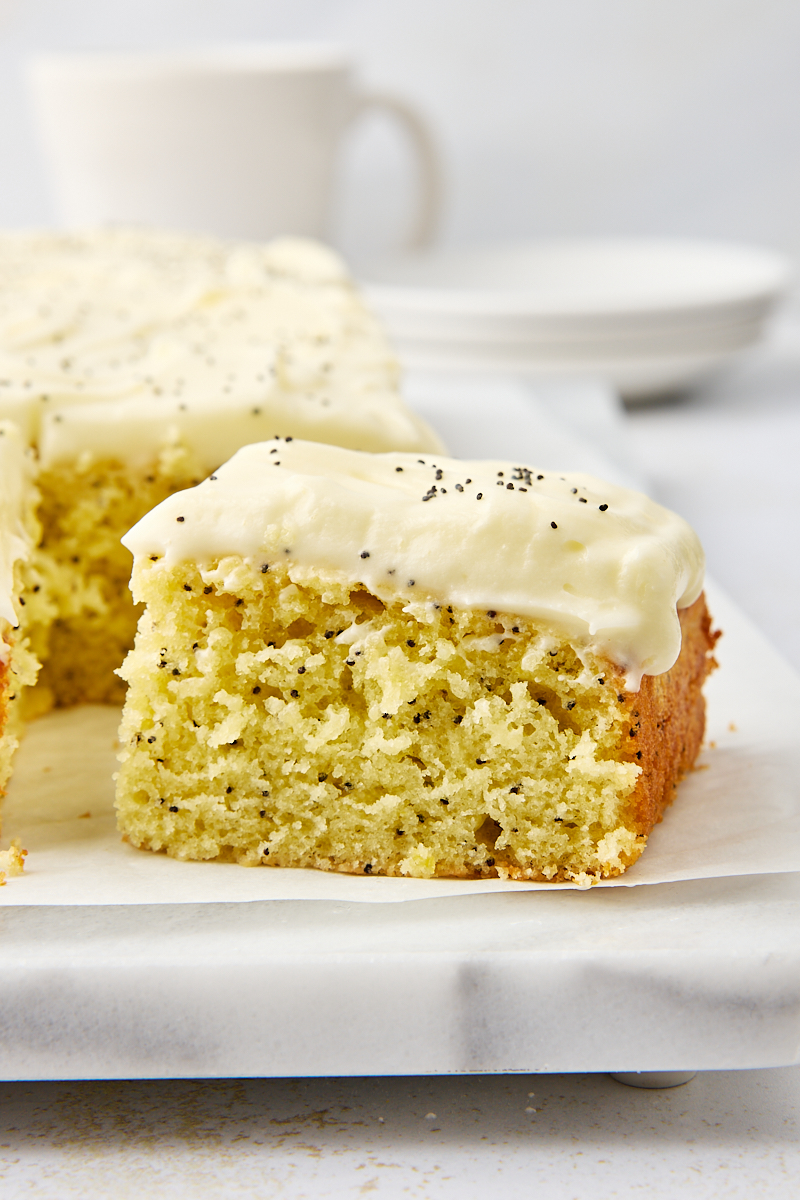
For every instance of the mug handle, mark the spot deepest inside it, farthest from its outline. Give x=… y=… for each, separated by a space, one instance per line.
x=429 y=203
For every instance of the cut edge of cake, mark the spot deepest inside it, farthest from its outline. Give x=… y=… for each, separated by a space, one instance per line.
x=276 y=717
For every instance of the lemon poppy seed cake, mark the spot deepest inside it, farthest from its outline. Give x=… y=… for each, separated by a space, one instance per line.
x=134 y=362
x=410 y=665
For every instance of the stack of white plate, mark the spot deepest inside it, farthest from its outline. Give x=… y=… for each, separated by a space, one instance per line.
x=647 y=316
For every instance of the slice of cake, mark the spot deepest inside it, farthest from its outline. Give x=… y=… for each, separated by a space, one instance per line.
x=135 y=362
x=411 y=665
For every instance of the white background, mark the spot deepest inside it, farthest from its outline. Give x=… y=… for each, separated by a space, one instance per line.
x=554 y=116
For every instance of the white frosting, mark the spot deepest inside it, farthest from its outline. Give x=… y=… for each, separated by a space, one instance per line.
x=601 y=564
x=119 y=342
x=16 y=471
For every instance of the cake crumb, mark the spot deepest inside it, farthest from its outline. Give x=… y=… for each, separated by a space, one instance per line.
x=12 y=861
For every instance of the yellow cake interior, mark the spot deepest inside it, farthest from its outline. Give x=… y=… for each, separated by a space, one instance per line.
x=76 y=616
x=83 y=621
x=276 y=715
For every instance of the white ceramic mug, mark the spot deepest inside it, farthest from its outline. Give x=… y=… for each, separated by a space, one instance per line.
x=239 y=142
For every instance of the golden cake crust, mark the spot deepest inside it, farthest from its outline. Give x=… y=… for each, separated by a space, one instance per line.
x=667 y=725
x=668 y=719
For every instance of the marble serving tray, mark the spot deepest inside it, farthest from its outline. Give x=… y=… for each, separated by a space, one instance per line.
x=702 y=972
x=674 y=977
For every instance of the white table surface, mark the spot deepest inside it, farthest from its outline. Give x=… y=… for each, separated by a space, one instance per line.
x=724 y=1136
x=727 y=458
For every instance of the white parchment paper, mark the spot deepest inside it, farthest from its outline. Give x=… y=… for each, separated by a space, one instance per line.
x=738 y=814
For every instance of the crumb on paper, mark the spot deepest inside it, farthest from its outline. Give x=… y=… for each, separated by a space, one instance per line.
x=732 y=727
x=12 y=861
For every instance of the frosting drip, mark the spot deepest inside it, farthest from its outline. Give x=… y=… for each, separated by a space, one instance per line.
x=601 y=564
